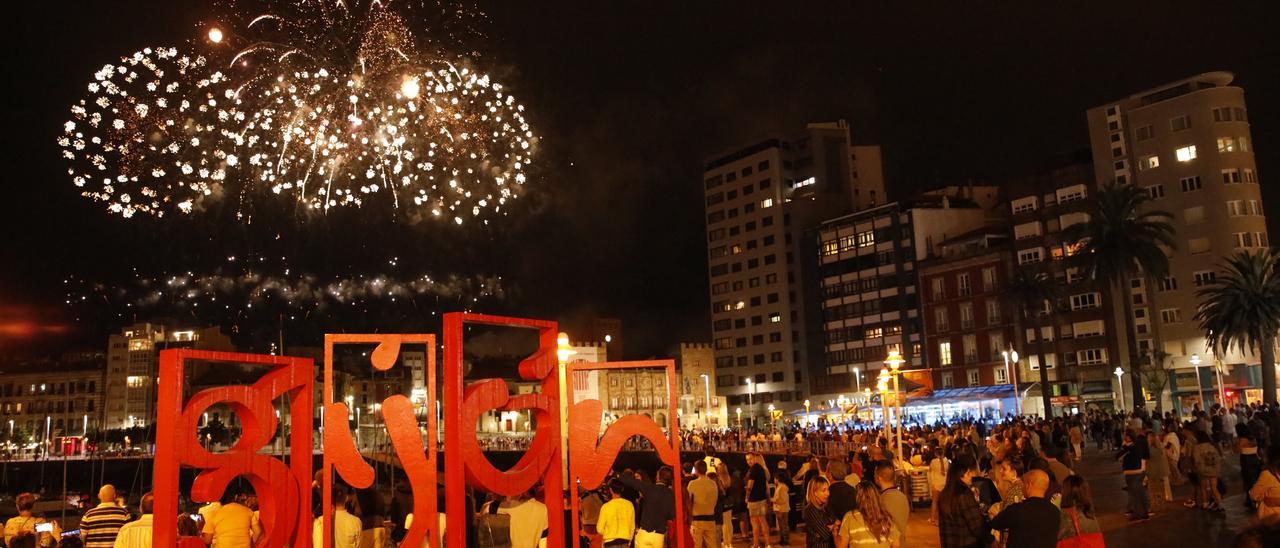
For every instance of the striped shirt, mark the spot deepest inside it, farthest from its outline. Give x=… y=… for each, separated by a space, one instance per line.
x=99 y=526
x=135 y=534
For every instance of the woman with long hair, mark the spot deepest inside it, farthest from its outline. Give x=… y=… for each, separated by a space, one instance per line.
x=1157 y=473
x=1208 y=459
x=869 y=524
x=819 y=524
x=1265 y=492
x=937 y=477
x=1077 y=517
x=1250 y=465
x=961 y=522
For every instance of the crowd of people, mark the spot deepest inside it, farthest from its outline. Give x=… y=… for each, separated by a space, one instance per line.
x=1012 y=481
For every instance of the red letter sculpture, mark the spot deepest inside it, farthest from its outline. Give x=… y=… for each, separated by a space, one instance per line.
x=590 y=461
x=284 y=493
x=419 y=463
x=465 y=463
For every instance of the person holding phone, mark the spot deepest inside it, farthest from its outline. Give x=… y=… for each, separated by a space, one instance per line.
x=45 y=532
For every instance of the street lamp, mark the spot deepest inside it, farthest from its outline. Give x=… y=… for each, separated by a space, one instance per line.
x=1011 y=373
x=706 y=383
x=772 y=422
x=751 y=401
x=739 y=412
x=895 y=362
x=1195 y=362
x=882 y=386
x=1120 y=381
x=807 y=418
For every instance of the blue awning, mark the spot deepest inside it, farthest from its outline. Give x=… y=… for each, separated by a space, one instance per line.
x=968 y=393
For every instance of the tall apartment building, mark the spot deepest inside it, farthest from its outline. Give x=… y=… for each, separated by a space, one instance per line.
x=760 y=201
x=133 y=357
x=1188 y=144
x=1080 y=336
x=869 y=296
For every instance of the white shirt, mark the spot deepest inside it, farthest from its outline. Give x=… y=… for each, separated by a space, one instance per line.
x=346 y=530
x=135 y=534
x=408 y=522
x=528 y=521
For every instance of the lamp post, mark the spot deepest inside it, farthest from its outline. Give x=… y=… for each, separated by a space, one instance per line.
x=751 y=401
x=807 y=419
x=1195 y=362
x=706 y=383
x=882 y=386
x=1011 y=358
x=739 y=412
x=1120 y=381
x=563 y=351
x=772 y=422
x=895 y=362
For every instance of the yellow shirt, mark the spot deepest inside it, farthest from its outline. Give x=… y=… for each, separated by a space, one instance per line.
x=232 y=526
x=617 y=520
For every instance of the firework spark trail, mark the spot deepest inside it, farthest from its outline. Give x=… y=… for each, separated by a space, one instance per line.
x=161 y=130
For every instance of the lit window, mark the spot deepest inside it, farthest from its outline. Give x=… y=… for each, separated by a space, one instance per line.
x=866 y=238
x=1186 y=154
x=944 y=353
x=973 y=377
x=805 y=182
x=1149 y=162
x=767 y=202
x=947 y=381
x=740 y=305
x=1226 y=144
x=775 y=318
x=1002 y=377
x=1092 y=356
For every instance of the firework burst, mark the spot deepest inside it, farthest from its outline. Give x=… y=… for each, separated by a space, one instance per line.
x=327 y=104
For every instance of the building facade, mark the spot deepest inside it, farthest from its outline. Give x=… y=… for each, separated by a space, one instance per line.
x=43 y=401
x=1187 y=143
x=1080 y=338
x=133 y=358
x=700 y=404
x=869 y=278
x=761 y=201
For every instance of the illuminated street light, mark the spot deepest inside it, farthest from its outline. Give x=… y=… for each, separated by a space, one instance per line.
x=215 y=35
x=1011 y=374
x=706 y=383
x=739 y=412
x=895 y=361
x=1120 y=380
x=563 y=348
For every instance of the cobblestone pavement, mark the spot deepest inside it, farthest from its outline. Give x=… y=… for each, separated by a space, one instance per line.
x=1172 y=526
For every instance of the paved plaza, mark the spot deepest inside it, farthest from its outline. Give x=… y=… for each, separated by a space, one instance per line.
x=1173 y=526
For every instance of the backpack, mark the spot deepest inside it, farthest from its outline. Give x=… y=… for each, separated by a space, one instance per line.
x=493 y=530
x=1212 y=459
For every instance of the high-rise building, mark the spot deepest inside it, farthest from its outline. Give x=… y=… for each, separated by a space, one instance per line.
x=1080 y=340
x=760 y=202
x=1188 y=144
x=869 y=298
x=133 y=357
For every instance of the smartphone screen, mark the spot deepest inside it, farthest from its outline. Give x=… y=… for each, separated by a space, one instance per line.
x=44 y=527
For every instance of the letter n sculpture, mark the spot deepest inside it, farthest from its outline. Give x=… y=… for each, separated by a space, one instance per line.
x=464 y=461
x=284 y=495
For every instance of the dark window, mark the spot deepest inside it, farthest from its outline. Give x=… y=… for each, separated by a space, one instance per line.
x=740 y=342
x=763 y=165
x=757 y=320
x=768 y=240
x=757 y=339
x=767 y=221
x=742 y=360
x=777 y=376
x=760 y=376
x=773 y=298
x=765 y=183
x=771 y=258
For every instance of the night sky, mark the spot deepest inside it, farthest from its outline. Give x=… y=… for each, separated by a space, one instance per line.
x=628 y=99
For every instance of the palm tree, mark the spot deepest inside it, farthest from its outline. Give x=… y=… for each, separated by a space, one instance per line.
x=1122 y=239
x=1241 y=309
x=1028 y=291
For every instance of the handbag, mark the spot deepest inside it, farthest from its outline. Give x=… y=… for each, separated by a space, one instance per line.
x=1086 y=540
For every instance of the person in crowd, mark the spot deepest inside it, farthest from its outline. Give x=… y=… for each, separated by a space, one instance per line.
x=1078 y=516
x=659 y=507
x=346 y=527
x=1157 y=474
x=842 y=498
x=704 y=498
x=24 y=525
x=232 y=525
x=99 y=526
x=1032 y=523
x=780 y=501
x=137 y=534
x=868 y=524
x=617 y=523
x=937 y=475
x=1008 y=478
x=189 y=525
x=961 y=523
x=820 y=526
x=1059 y=470
x=529 y=517
x=726 y=504
x=1265 y=492
x=1250 y=464
x=892 y=499
x=1077 y=440
x=1208 y=462
x=757 y=490
x=1134 y=465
